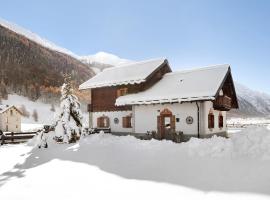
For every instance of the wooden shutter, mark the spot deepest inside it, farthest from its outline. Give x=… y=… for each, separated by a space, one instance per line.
x=98 y=122
x=173 y=122
x=124 y=122
x=129 y=122
x=107 y=120
x=159 y=127
x=211 y=121
x=220 y=121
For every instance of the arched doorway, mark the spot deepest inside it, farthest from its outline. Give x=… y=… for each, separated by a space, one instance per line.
x=165 y=124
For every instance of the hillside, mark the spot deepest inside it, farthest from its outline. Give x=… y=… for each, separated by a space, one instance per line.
x=23 y=56
x=251 y=103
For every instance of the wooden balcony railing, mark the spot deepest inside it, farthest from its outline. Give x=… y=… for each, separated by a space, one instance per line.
x=223 y=103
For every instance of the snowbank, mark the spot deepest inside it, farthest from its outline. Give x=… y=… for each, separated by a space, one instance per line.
x=103 y=166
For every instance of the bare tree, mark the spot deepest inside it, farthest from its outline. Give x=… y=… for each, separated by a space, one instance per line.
x=52 y=108
x=35 y=115
x=25 y=113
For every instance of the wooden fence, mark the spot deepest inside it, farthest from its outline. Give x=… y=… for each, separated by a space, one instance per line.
x=10 y=137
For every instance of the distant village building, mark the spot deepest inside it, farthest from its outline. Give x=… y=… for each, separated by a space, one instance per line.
x=147 y=97
x=10 y=118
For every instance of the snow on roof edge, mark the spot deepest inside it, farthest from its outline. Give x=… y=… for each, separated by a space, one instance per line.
x=127 y=99
x=4 y=108
x=137 y=80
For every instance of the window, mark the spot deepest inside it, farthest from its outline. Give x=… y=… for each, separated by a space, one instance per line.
x=127 y=122
x=103 y=122
x=122 y=92
x=220 y=120
x=211 y=120
x=11 y=112
x=177 y=119
x=6 y=127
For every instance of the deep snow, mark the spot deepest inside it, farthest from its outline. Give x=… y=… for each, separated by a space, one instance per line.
x=103 y=166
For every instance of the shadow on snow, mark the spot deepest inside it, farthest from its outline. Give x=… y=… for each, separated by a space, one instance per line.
x=154 y=161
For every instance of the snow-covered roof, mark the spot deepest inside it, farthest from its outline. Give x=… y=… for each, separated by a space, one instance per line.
x=182 y=86
x=4 y=108
x=134 y=73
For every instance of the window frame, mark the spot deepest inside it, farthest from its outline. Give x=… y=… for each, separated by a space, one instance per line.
x=103 y=122
x=220 y=121
x=211 y=120
x=127 y=122
x=122 y=91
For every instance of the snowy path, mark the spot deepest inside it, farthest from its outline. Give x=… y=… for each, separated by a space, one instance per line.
x=105 y=166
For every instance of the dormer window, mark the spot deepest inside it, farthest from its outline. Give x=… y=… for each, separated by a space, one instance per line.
x=122 y=92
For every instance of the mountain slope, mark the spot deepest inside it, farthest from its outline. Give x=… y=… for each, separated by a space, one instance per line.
x=35 y=38
x=34 y=70
x=251 y=103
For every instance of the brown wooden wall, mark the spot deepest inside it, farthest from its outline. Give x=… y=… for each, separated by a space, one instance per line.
x=103 y=99
x=229 y=90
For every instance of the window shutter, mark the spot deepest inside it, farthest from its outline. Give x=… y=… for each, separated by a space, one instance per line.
x=159 y=123
x=211 y=121
x=220 y=121
x=129 y=122
x=98 y=122
x=124 y=122
x=173 y=122
x=107 y=120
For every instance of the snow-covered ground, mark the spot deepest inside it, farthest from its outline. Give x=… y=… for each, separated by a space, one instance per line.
x=103 y=166
x=248 y=121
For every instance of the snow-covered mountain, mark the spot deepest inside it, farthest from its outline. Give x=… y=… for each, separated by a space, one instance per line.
x=251 y=102
x=104 y=58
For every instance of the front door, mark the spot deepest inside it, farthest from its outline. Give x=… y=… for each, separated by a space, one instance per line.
x=165 y=124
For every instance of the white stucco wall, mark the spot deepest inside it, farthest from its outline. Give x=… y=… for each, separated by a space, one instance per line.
x=206 y=107
x=117 y=114
x=146 y=117
x=10 y=122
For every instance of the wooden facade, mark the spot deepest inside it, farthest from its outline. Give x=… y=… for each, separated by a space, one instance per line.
x=228 y=99
x=103 y=99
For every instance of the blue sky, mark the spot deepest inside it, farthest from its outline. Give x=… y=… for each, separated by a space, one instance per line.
x=189 y=33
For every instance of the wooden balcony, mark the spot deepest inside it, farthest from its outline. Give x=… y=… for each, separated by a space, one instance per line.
x=223 y=103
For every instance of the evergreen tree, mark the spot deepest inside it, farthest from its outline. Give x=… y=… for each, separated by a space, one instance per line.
x=70 y=114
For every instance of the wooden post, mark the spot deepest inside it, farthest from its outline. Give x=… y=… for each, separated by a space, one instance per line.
x=12 y=137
